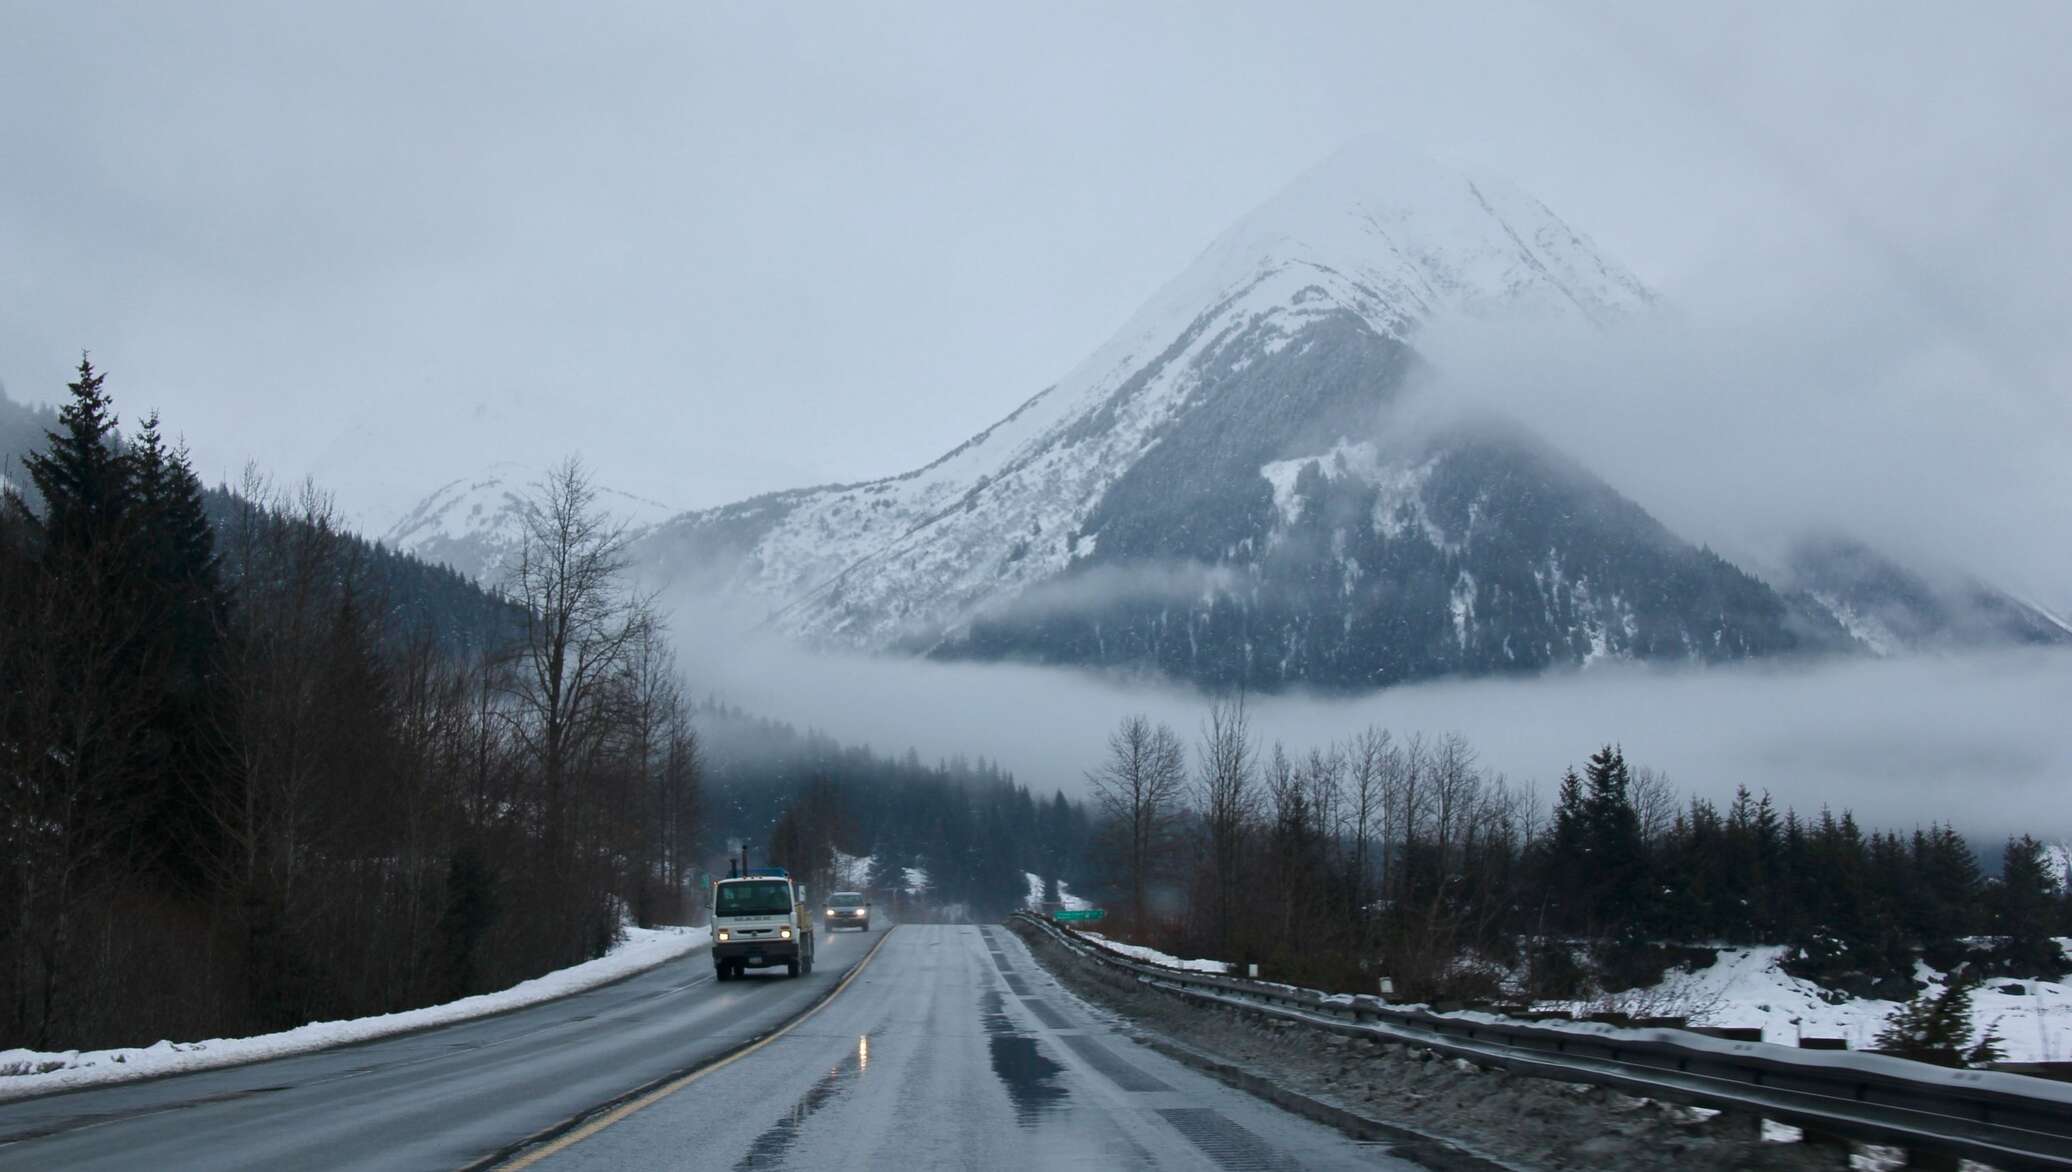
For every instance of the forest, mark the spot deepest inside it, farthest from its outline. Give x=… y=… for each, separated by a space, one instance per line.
x=1402 y=856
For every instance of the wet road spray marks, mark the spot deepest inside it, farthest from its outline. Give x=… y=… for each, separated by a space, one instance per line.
x=1030 y=1078
x=1047 y=1013
x=775 y=1143
x=1016 y=984
x=1230 y=1146
x=1101 y=1058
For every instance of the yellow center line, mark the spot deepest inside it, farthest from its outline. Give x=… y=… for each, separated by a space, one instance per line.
x=570 y=1139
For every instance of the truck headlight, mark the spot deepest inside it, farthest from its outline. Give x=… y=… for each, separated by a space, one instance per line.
x=784 y=933
x=724 y=936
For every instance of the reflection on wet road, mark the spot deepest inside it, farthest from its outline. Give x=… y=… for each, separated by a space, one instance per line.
x=955 y=1049
x=770 y=1148
x=1030 y=1078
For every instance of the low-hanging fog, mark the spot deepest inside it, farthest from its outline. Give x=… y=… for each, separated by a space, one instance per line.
x=726 y=250
x=1976 y=740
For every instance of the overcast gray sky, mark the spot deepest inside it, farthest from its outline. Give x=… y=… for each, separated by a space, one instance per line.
x=722 y=249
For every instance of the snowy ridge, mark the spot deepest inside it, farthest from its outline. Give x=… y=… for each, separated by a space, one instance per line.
x=1376 y=232
x=476 y=524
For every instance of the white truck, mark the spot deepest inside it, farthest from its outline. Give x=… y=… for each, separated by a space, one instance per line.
x=760 y=920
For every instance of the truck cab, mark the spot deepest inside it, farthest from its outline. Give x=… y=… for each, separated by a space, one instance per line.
x=760 y=920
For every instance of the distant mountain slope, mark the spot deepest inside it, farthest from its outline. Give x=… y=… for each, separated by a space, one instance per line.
x=22 y=428
x=1890 y=608
x=476 y=524
x=1482 y=552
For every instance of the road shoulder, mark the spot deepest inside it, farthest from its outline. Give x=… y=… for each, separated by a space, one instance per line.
x=1443 y=1113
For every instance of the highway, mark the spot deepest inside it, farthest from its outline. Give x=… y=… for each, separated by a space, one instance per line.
x=954 y=1050
x=446 y=1098
x=951 y=1048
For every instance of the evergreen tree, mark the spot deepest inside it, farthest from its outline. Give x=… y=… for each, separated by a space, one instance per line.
x=1568 y=856
x=83 y=480
x=2025 y=899
x=1937 y=1027
x=1612 y=830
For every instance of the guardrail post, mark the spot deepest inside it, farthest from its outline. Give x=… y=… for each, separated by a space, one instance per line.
x=1814 y=1137
x=1933 y=1159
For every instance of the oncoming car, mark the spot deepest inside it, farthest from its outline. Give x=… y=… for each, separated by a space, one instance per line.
x=848 y=909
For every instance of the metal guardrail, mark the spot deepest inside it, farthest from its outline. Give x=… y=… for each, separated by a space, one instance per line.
x=2006 y=1120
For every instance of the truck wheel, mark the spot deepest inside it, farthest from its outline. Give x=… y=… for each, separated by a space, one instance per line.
x=720 y=973
x=791 y=968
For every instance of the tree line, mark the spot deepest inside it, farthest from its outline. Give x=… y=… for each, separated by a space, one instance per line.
x=968 y=825
x=1404 y=857
x=256 y=772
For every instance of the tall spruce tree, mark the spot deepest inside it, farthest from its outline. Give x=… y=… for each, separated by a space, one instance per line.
x=2025 y=900
x=83 y=479
x=1613 y=831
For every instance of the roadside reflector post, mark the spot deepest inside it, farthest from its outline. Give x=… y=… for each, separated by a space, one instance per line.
x=1252 y=971
x=1388 y=987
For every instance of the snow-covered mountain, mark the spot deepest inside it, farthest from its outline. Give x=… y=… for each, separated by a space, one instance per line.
x=1373 y=243
x=1222 y=492
x=476 y=524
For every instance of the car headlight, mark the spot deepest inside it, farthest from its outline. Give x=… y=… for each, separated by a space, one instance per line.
x=784 y=933
x=831 y=912
x=724 y=936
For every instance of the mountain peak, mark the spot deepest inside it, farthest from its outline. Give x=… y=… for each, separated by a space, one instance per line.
x=1417 y=240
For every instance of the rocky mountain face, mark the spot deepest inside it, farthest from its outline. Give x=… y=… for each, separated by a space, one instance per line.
x=1227 y=491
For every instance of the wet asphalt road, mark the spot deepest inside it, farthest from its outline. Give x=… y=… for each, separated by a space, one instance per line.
x=442 y=1099
x=953 y=1049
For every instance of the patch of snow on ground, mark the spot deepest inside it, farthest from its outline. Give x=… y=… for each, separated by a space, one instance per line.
x=1154 y=956
x=1747 y=987
x=1066 y=899
x=853 y=872
x=643 y=948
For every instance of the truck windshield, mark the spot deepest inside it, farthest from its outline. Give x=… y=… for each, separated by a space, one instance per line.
x=772 y=898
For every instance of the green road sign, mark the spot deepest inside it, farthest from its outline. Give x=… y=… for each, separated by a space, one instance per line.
x=1092 y=913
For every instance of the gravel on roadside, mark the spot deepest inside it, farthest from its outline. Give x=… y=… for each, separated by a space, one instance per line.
x=1437 y=1111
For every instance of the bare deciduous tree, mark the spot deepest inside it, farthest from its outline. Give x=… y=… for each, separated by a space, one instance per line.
x=579 y=628
x=1228 y=801
x=1137 y=789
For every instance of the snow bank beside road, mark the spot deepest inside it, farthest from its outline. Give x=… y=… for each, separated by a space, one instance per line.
x=29 y=1072
x=1749 y=987
x=1154 y=956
